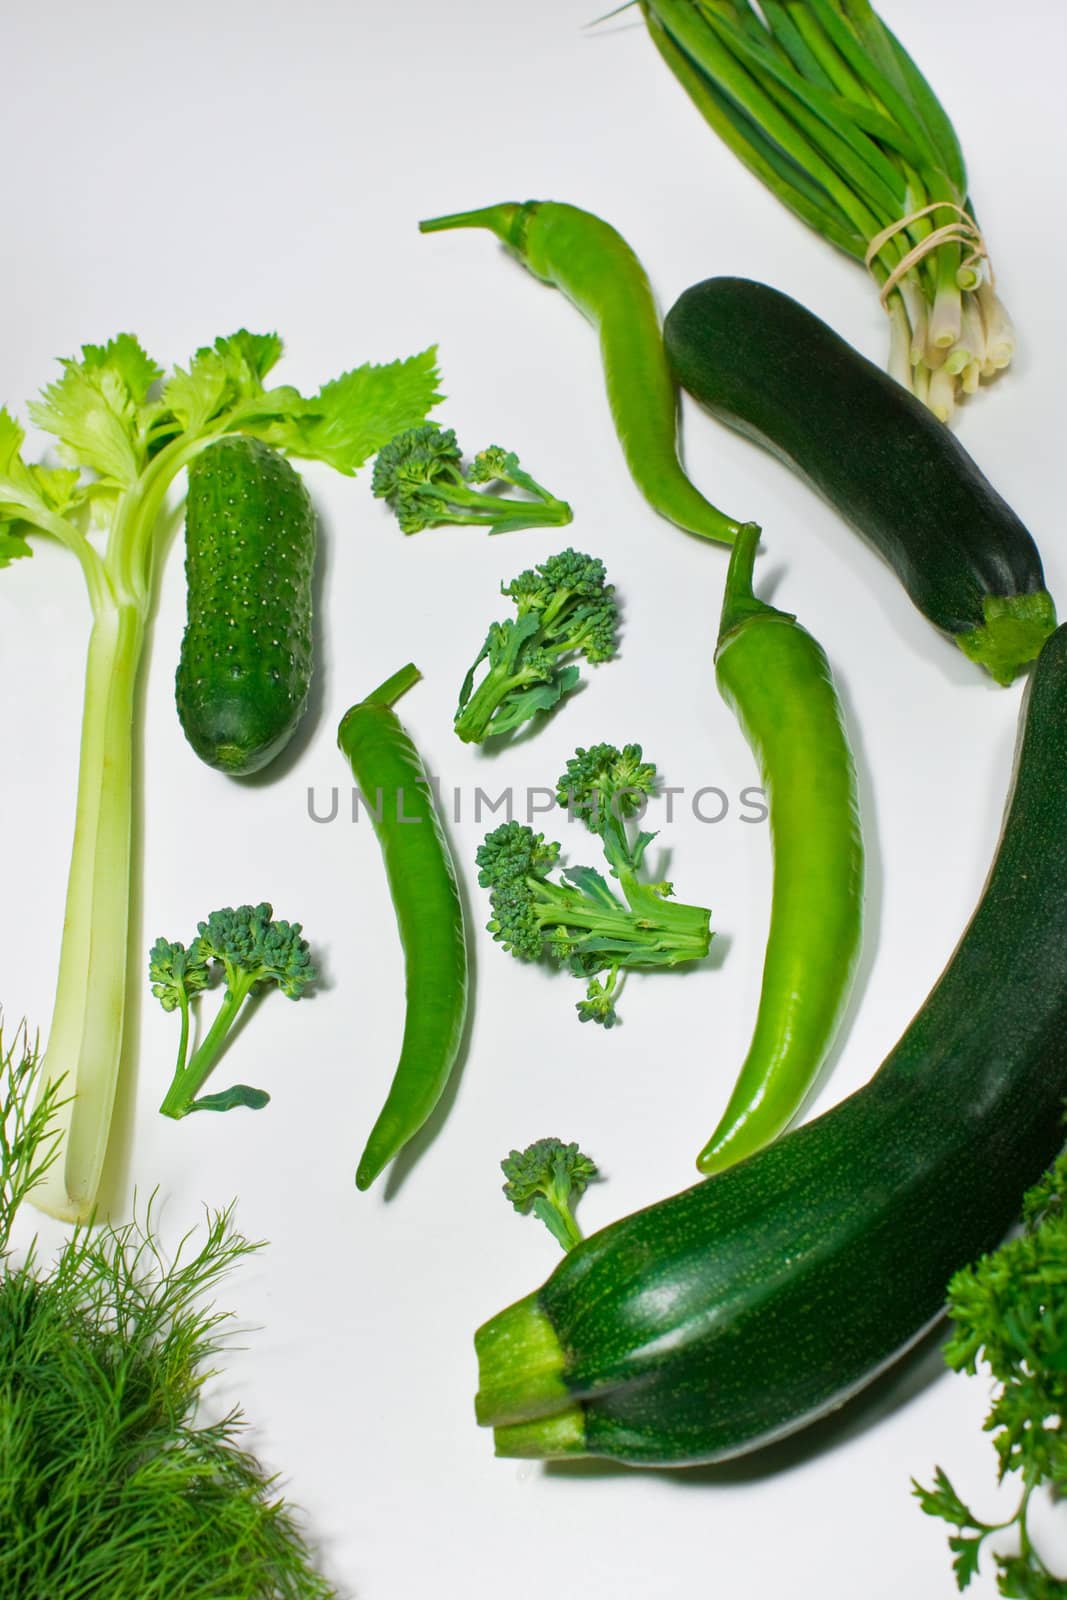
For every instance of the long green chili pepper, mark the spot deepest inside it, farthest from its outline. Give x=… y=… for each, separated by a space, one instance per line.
x=595 y=268
x=776 y=679
x=429 y=914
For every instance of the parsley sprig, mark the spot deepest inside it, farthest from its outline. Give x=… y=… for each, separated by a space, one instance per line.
x=1009 y=1315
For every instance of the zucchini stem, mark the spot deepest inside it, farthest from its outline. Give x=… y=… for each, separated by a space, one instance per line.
x=520 y=1366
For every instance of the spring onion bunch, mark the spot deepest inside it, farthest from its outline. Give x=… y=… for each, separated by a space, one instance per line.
x=823 y=103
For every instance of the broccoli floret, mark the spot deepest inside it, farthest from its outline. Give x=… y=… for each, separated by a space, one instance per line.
x=604 y=783
x=606 y=787
x=600 y=998
x=252 y=953
x=420 y=474
x=580 y=922
x=420 y=455
x=565 y=608
x=176 y=976
x=176 y=973
x=255 y=951
x=549 y=1178
x=495 y=465
x=511 y=859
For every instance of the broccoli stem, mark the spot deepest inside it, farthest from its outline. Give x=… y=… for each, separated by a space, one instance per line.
x=183 y=1038
x=560 y=602
x=652 y=932
x=189 y=1079
x=520 y=479
x=687 y=924
x=558 y=1219
x=496 y=513
x=85 y=1039
x=475 y=506
x=473 y=722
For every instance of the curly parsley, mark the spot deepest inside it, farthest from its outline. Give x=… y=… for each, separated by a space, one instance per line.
x=1010 y=1316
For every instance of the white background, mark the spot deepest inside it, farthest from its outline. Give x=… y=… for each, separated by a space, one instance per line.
x=180 y=172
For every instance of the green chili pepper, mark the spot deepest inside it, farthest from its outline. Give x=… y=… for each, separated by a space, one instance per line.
x=429 y=914
x=776 y=679
x=596 y=269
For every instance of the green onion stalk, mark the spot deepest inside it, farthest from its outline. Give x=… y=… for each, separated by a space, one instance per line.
x=822 y=102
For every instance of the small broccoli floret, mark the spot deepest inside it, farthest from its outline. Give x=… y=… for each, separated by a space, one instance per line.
x=512 y=859
x=599 y=1002
x=606 y=787
x=494 y=465
x=580 y=922
x=252 y=953
x=176 y=974
x=549 y=1178
x=421 y=455
x=565 y=609
x=420 y=475
x=604 y=782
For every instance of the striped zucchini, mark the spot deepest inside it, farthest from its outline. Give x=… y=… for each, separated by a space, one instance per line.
x=764 y=1297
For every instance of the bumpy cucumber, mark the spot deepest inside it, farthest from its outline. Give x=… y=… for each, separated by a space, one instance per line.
x=764 y=364
x=245 y=666
x=764 y=1297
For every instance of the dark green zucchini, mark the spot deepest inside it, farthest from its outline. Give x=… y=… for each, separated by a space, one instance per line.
x=245 y=666
x=737 y=1311
x=762 y=363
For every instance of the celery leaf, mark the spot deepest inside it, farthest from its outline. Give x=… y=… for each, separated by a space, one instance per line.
x=253 y=353
x=123 y=364
x=219 y=377
x=95 y=409
x=355 y=415
x=27 y=493
x=14 y=474
x=60 y=488
x=12 y=546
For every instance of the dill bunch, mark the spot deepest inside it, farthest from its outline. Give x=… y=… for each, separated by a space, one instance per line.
x=111 y=1487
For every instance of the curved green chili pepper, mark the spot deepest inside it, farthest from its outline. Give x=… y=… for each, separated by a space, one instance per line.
x=776 y=679
x=429 y=914
x=596 y=269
